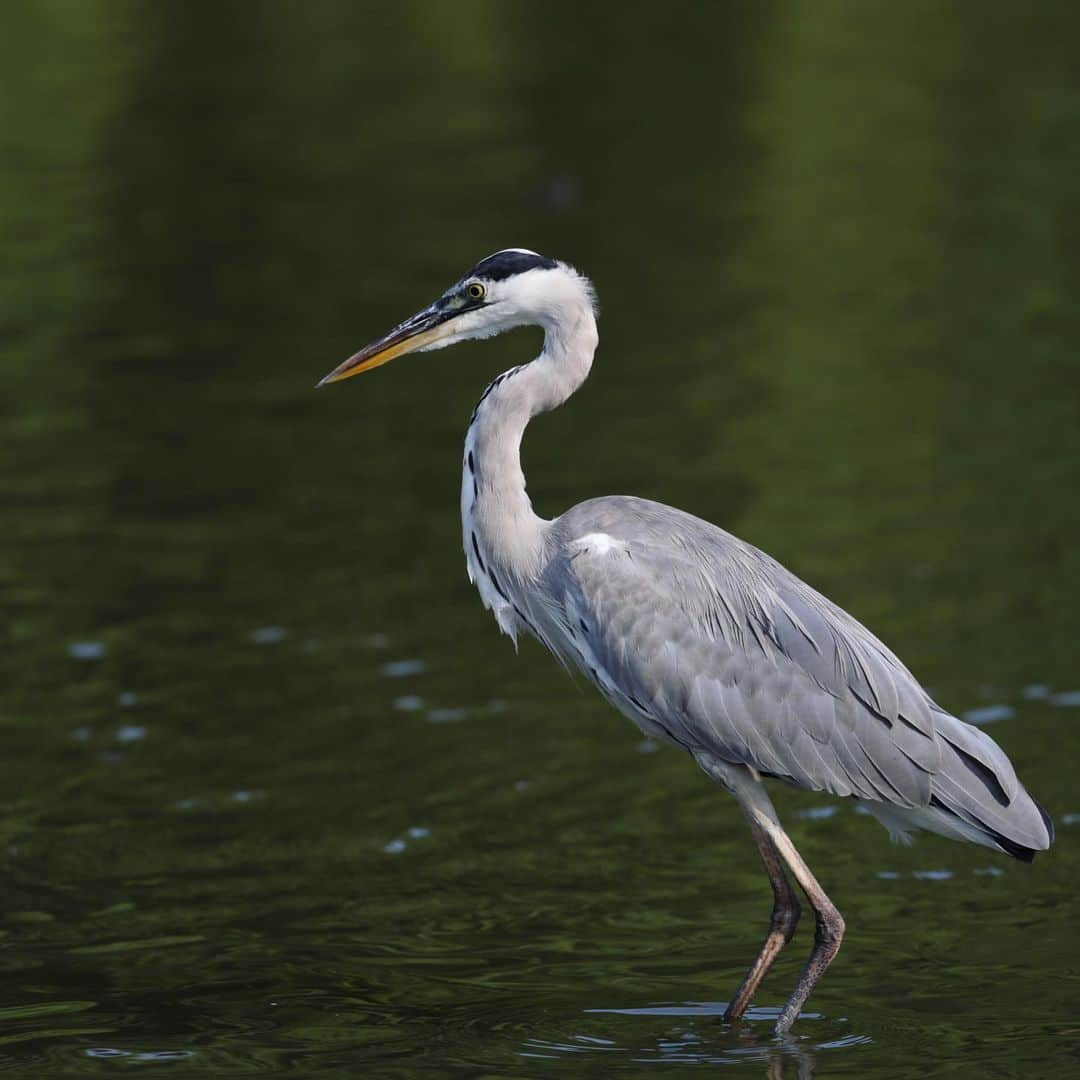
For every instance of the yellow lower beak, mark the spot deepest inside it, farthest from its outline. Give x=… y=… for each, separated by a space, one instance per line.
x=415 y=333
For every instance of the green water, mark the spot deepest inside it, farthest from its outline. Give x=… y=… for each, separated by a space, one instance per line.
x=274 y=794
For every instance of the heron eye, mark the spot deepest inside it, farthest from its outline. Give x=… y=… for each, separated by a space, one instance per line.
x=475 y=291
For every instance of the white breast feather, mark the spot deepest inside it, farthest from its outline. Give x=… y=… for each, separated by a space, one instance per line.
x=598 y=543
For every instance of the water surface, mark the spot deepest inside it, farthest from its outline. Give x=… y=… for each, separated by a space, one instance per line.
x=274 y=795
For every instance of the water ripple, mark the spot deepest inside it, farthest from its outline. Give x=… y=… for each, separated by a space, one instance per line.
x=988 y=714
x=692 y=1033
x=87 y=650
x=399 y=669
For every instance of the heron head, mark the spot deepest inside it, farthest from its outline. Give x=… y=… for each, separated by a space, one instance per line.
x=514 y=287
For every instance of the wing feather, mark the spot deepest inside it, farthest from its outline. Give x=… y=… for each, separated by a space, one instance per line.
x=709 y=643
x=738 y=657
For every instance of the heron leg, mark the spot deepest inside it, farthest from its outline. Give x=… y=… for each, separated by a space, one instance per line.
x=785 y=917
x=828 y=934
x=829 y=931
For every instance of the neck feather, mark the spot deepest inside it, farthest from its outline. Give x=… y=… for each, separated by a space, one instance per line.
x=494 y=504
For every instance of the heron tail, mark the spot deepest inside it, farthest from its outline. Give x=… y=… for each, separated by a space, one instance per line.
x=978 y=793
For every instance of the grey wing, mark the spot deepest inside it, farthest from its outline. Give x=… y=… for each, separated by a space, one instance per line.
x=723 y=650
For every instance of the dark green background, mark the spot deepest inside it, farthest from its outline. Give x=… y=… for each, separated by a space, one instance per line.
x=836 y=246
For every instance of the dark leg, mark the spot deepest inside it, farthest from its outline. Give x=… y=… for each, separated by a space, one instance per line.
x=759 y=810
x=827 y=936
x=785 y=917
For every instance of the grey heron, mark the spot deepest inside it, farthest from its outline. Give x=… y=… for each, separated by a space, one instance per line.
x=702 y=640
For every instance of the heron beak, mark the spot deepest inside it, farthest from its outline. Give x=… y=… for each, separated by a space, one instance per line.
x=422 y=330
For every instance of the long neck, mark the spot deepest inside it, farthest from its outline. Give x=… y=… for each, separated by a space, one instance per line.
x=494 y=502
